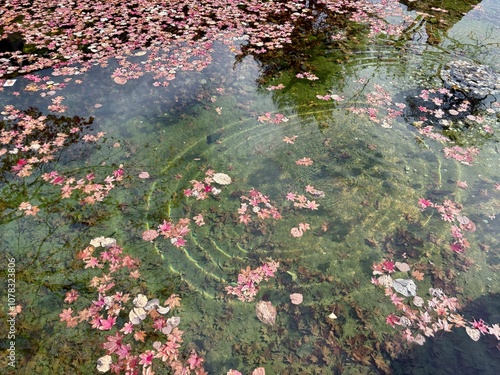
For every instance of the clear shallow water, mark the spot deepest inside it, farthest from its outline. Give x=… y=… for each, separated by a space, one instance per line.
x=372 y=175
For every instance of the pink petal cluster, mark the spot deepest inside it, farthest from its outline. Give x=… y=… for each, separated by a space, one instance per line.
x=85 y=189
x=380 y=101
x=277 y=119
x=304 y=161
x=278 y=87
x=110 y=309
x=450 y=212
x=463 y=155
x=24 y=143
x=170 y=230
x=192 y=30
x=258 y=206
x=301 y=201
x=249 y=280
x=203 y=189
x=307 y=75
x=28 y=209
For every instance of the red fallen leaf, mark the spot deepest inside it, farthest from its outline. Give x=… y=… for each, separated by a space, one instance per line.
x=266 y=312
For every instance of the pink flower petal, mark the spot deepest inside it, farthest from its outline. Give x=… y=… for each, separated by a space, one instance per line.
x=144 y=175
x=296 y=298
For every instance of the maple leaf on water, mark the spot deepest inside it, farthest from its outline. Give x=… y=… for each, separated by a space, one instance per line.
x=66 y=314
x=392 y=320
x=304 y=161
x=245 y=219
x=127 y=328
x=290 y=140
x=457 y=319
x=480 y=326
x=424 y=203
x=146 y=358
x=396 y=300
x=388 y=265
x=140 y=336
x=194 y=360
x=113 y=343
x=419 y=276
x=71 y=296
x=124 y=350
x=173 y=301
x=107 y=324
x=92 y=262
x=310 y=189
x=312 y=205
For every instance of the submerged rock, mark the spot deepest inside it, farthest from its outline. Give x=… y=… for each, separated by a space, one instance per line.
x=406 y=287
x=474 y=80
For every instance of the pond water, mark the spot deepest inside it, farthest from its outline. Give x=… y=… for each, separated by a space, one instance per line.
x=362 y=165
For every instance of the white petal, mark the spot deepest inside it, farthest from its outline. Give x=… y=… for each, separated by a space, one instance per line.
x=163 y=310
x=140 y=301
x=152 y=304
x=108 y=242
x=174 y=321
x=136 y=315
x=103 y=363
x=96 y=242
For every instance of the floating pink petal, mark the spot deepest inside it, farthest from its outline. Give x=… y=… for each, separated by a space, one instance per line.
x=259 y=371
x=403 y=267
x=144 y=175
x=296 y=232
x=120 y=80
x=149 y=235
x=296 y=298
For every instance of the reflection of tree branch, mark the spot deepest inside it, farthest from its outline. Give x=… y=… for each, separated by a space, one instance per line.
x=453 y=12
